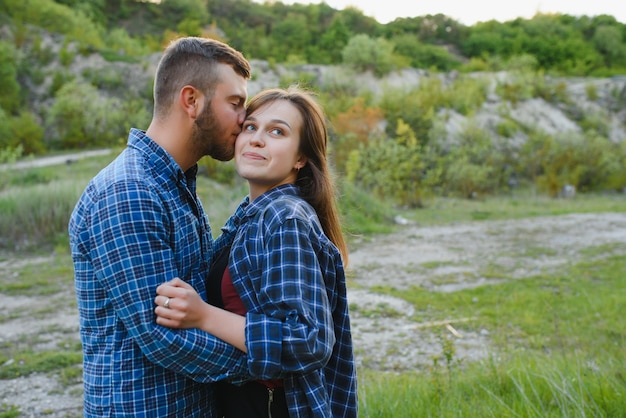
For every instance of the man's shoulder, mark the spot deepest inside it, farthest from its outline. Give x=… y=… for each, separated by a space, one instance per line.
x=128 y=167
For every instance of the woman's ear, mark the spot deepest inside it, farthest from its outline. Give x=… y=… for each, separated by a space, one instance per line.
x=300 y=163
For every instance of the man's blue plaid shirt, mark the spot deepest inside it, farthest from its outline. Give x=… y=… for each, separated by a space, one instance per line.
x=138 y=224
x=291 y=280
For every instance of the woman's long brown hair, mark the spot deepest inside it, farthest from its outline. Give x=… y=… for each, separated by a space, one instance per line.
x=314 y=179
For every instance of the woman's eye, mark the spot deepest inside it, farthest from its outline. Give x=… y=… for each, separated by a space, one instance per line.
x=249 y=127
x=276 y=131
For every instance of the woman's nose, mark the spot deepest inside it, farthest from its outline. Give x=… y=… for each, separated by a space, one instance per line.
x=257 y=139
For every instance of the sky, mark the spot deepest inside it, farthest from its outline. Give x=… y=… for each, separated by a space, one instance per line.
x=469 y=12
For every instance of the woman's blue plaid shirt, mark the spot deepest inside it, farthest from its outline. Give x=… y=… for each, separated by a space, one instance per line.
x=291 y=280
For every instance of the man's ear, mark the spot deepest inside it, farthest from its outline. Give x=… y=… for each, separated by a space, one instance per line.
x=189 y=99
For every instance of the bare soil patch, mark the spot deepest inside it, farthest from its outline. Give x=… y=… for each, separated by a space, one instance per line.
x=439 y=258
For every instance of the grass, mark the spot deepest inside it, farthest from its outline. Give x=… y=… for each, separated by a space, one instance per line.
x=557 y=339
x=517 y=205
x=558 y=350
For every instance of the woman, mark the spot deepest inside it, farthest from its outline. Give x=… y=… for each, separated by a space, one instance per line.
x=284 y=290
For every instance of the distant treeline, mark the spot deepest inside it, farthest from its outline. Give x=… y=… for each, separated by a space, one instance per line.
x=319 y=34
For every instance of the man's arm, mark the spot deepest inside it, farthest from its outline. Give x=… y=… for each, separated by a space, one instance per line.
x=132 y=255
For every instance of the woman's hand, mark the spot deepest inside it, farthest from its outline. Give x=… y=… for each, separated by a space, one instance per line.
x=179 y=305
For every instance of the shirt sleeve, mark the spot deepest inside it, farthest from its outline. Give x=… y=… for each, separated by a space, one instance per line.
x=131 y=255
x=293 y=329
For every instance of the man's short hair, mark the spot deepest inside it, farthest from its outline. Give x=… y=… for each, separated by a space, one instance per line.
x=192 y=61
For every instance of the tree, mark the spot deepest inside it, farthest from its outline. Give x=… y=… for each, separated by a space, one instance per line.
x=421 y=55
x=332 y=42
x=81 y=118
x=367 y=54
x=608 y=41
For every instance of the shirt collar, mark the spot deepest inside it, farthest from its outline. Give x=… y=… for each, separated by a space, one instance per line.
x=269 y=196
x=160 y=160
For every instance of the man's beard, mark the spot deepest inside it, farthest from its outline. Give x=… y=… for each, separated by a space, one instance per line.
x=207 y=137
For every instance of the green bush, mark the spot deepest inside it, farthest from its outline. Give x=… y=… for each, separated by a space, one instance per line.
x=473 y=165
x=391 y=168
x=9 y=87
x=422 y=55
x=367 y=54
x=415 y=107
x=26 y=133
x=588 y=162
x=82 y=118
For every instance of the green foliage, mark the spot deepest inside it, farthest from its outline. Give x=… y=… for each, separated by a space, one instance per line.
x=82 y=118
x=5 y=130
x=391 y=168
x=9 y=87
x=122 y=47
x=108 y=78
x=25 y=133
x=56 y=18
x=516 y=88
x=181 y=10
x=66 y=55
x=592 y=91
x=304 y=79
x=59 y=79
x=507 y=127
x=332 y=42
x=422 y=55
x=465 y=94
x=366 y=54
x=531 y=51
x=9 y=411
x=609 y=41
x=471 y=166
x=409 y=107
x=554 y=42
x=9 y=155
x=589 y=163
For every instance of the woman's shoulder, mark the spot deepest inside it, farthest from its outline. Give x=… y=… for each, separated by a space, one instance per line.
x=289 y=206
x=282 y=207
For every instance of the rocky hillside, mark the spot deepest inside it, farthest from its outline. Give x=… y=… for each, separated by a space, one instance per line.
x=599 y=100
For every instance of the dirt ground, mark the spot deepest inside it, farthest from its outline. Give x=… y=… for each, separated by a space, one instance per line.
x=441 y=258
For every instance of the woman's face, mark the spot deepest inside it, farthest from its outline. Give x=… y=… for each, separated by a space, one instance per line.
x=266 y=150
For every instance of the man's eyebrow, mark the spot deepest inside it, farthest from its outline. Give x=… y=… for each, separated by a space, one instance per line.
x=242 y=99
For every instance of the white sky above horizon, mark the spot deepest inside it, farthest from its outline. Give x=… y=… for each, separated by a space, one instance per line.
x=470 y=12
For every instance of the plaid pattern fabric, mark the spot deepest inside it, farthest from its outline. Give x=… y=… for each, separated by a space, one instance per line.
x=138 y=224
x=291 y=280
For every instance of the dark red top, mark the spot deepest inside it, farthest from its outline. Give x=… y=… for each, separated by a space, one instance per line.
x=233 y=303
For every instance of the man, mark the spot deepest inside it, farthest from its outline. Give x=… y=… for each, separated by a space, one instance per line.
x=138 y=224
